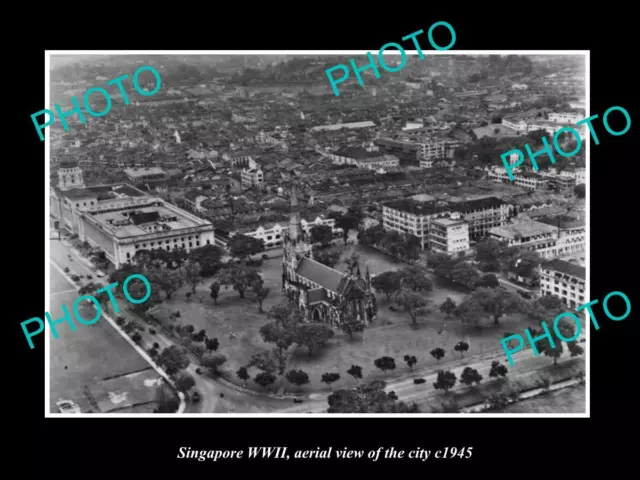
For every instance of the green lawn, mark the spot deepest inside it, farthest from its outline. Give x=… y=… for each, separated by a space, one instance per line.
x=392 y=335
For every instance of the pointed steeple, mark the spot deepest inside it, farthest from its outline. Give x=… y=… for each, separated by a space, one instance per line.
x=367 y=276
x=295 y=226
x=358 y=274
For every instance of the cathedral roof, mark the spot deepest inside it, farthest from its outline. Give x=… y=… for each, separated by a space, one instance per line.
x=316 y=295
x=320 y=274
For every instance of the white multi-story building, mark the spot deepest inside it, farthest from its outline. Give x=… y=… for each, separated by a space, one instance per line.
x=530 y=235
x=436 y=148
x=252 y=177
x=580 y=174
x=558 y=117
x=412 y=217
x=449 y=235
x=528 y=180
x=565 y=280
x=273 y=234
x=362 y=158
x=482 y=214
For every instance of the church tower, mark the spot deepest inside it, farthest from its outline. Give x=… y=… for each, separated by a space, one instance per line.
x=296 y=244
x=69 y=175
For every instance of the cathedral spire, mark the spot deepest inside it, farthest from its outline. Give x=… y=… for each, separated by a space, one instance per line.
x=367 y=276
x=295 y=226
x=358 y=274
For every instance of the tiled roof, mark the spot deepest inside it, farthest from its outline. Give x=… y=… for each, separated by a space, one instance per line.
x=566 y=267
x=320 y=274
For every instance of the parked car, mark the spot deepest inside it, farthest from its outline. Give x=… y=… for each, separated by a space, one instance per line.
x=67 y=406
x=297 y=400
x=418 y=381
x=199 y=371
x=265 y=256
x=89 y=277
x=99 y=274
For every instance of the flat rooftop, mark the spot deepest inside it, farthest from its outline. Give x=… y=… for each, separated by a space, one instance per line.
x=448 y=222
x=525 y=229
x=135 y=220
x=143 y=172
x=416 y=208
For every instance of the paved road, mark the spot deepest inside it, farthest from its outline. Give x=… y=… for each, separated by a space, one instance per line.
x=524 y=362
x=91 y=352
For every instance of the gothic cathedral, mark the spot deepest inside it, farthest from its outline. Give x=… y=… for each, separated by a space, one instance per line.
x=322 y=293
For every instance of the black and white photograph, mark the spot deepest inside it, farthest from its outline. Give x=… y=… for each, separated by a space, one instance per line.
x=254 y=235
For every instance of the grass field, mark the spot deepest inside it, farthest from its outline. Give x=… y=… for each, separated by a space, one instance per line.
x=236 y=324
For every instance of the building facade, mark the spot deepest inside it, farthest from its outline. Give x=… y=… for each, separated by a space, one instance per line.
x=483 y=214
x=252 y=178
x=449 y=236
x=528 y=180
x=412 y=217
x=564 y=280
x=321 y=293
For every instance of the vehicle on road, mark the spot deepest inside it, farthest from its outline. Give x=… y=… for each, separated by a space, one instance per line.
x=297 y=400
x=265 y=256
x=100 y=274
x=199 y=371
x=67 y=406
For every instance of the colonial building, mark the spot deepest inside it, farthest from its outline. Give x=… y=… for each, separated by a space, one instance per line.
x=322 y=293
x=565 y=280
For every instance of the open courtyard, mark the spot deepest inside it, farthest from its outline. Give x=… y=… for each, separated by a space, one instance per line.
x=236 y=323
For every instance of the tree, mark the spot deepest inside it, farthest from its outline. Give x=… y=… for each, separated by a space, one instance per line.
x=243 y=246
x=211 y=344
x=275 y=332
x=192 y=274
x=264 y=361
x=385 y=364
x=137 y=338
x=215 y=291
x=327 y=257
x=213 y=362
x=525 y=264
x=497 y=370
x=465 y=274
x=445 y=380
x=461 y=347
x=487 y=281
x=185 y=382
x=387 y=283
x=264 y=379
x=448 y=307
x=437 y=353
x=352 y=326
x=352 y=262
x=208 y=257
x=415 y=278
x=368 y=398
x=172 y=359
x=470 y=376
x=322 y=234
x=580 y=190
x=497 y=401
x=297 y=377
x=410 y=360
x=412 y=302
x=168 y=281
x=346 y=222
x=329 y=378
x=243 y=375
x=494 y=302
x=260 y=293
x=199 y=336
x=356 y=372
x=575 y=349
x=554 y=352
x=239 y=277
x=312 y=334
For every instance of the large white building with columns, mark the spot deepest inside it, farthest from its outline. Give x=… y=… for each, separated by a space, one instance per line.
x=121 y=220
